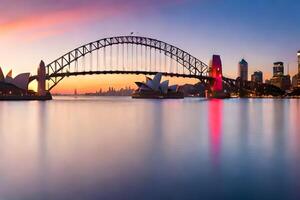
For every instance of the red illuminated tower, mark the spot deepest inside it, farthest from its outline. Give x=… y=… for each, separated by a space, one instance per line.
x=216 y=73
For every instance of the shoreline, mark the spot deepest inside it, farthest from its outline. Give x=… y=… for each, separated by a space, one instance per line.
x=26 y=98
x=50 y=97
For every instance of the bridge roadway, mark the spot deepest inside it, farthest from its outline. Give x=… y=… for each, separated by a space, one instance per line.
x=68 y=74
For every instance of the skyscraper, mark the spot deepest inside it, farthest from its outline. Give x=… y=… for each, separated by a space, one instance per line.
x=298 y=54
x=279 y=79
x=296 y=77
x=257 y=77
x=243 y=70
x=278 y=69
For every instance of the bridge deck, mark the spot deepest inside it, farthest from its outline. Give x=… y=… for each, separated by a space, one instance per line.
x=68 y=74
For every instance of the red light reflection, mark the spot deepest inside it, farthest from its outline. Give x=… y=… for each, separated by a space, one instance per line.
x=215 y=128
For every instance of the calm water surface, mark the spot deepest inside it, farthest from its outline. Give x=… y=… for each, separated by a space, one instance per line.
x=119 y=148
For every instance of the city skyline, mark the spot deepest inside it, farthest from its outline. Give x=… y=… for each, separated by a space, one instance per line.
x=233 y=29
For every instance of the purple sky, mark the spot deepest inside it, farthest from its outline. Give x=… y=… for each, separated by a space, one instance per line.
x=260 y=31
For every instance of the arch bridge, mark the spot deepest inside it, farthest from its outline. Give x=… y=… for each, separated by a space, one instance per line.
x=125 y=55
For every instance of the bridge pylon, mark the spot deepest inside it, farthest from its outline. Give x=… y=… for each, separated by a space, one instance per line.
x=41 y=79
x=215 y=71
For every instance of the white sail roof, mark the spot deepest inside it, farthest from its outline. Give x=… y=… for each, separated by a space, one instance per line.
x=156 y=81
x=22 y=80
x=164 y=87
x=155 y=85
x=143 y=86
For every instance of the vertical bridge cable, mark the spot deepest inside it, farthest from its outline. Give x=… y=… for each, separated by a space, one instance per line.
x=100 y=59
x=171 y=63
x=155 y=52
x=91 y=62
x=146 y=67
x=141 y=62
x=123 y=57
x=127 y=56
x=97 y=59
x=55 y=70
x=183 y=63
x=163 y=65
x=150 y=51
x=110 y=60
x=104 y=58
x=166 y=66
x=76 y=62
x=159 y=60
x=160 y=64
x=177 y=65
x=117 y=56
x=83 y=63
x=132 y=58
x=69 y=64
x=76 y=65
x=136 y=57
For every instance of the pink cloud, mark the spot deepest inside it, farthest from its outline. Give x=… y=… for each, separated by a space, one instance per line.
x=40 y=19
x=38 y=35
x=53 y=21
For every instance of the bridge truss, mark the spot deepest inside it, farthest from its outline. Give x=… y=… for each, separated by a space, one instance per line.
x=126 y=55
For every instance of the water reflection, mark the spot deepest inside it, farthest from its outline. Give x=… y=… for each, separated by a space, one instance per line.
x=117 y=148
x=42 y=149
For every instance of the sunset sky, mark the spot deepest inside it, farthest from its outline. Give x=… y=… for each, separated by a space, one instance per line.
x=261 y=31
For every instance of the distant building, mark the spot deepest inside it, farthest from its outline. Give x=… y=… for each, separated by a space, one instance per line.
x=127 y=91
x=283 y=82
x=257 y=77
x=243 y=70
x=296 y=77
x=279 y=79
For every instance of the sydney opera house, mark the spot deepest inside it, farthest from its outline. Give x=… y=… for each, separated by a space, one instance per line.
x=154 y=88
x=17 y=86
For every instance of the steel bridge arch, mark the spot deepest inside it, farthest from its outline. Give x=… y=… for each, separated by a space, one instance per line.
x=195 y=67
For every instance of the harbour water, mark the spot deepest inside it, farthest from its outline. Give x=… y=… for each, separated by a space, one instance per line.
x=118 y=148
